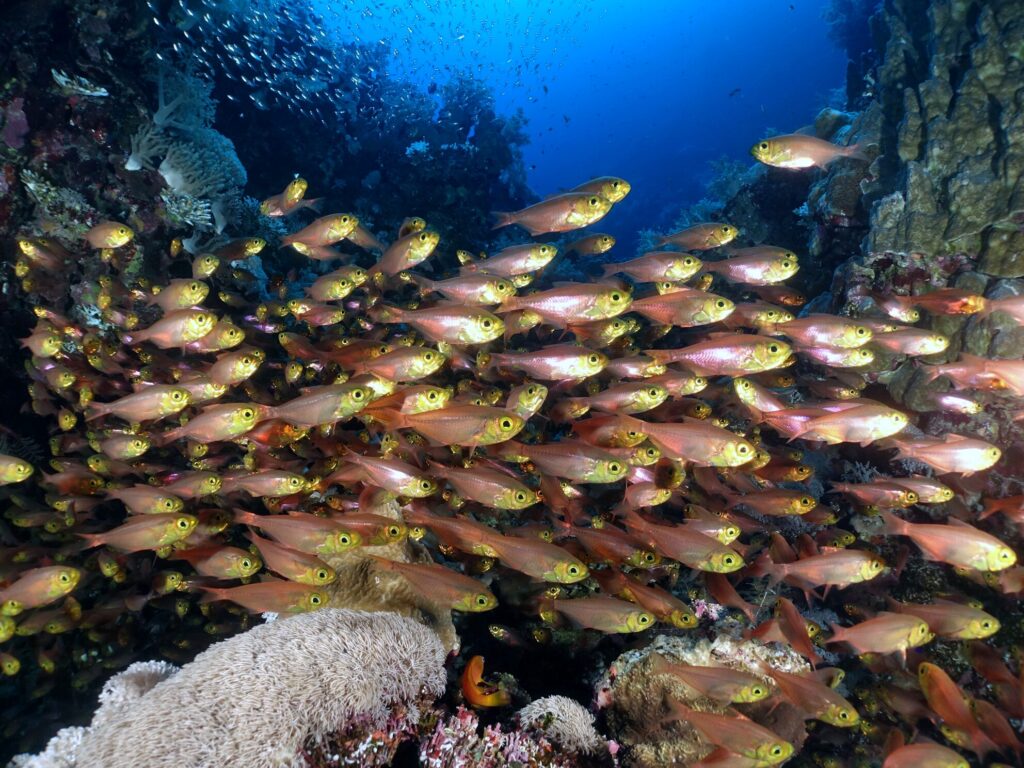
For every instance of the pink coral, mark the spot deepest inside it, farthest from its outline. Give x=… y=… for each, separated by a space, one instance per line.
x=15 y=124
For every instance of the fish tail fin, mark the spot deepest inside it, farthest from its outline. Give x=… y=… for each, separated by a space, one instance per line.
x=892 y=524
x=315 y=204
x=607 y=270
x=90 y=540
x=391 y=418
x=856 y=151
x=763 y=566
x=838 y=633
x=661 y=241
x=502 y=219
x=384 y=313
x=95 y=410
x=244 y=518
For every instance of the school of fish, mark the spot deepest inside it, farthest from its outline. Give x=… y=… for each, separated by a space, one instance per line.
x=662 y=421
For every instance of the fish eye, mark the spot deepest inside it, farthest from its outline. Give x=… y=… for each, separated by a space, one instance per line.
x=616 y=296
x=726 y=229
x=729 y=560
x=643 y=618
x=593 y=201
x=321 y=574
x=720 y=303
x=425 y=485
x=357 y=394
x=651 y=452
x=393 y=530
x=182 y=523
x=615 y=185
x=423 y=237
x=246 y=563
x=986 y=624
x=593 y=359
x=169 y=504
x=314 y=600
x=614 y=467
x=773 y=348
x=176 y=395
x=649 y=557
x=506 y=424
x=1005 y=554
x=295 y=481
x=861 y=331
x=531 y=391
x=806 y=501
x=743 y=384
x=763 y=145
x=573 y=570
x=248 y=413
x=428 y=356
x=486 y=323
x=785 y=264
x=757 y=690
x=64 y=578
x=345 y=539
x=742 y=449
x=520 y=496
x=844 y=715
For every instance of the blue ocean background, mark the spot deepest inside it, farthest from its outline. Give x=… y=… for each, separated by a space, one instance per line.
x=659 y=92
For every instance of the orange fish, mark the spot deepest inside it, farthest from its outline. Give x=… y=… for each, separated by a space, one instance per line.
x=689 y=547
x=722 y=684
x=728 y=355
x=955 y=542
x=448 y=323
x=406 y=252
x=662 y=604
x=220 y=422
x=536 y=558
x=560 y=213
x=837 y=568
x=924 y=755
x=479 y=693
x=144 y=532
x=700 y=443
x=657 y=266
x=948 y=702
x=797 y=151
x=951 y=301
x=304 y=532
x=886 y=633
x=326 y=230
x=155 y=402
x=572 y=302
x=760 y=265
x=515 y=260
x=701 y=237
x=270 y=596
x=442 y=586
x=38 y=587
x=603 y=613
x=862 y=424
x=175 y=329
x=109 y=234
x=220 y=562
x=300 y=567
x=735 y=734
x=465 y=425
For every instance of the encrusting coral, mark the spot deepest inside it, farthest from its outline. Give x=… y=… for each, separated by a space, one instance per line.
x=259 y=698
x=637 y=696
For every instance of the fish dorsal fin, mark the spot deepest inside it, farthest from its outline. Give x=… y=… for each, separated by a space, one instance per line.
x=958 y=522
x=806 y=130
x=955 y=438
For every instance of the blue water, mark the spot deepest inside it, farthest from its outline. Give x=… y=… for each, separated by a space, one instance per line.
x=651 y=91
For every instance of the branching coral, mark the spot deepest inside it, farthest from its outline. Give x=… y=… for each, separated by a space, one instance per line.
x=259 y=698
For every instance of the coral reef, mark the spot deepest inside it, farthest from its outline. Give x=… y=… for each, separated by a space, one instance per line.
x=262 y=697
x=636 y=697
x=565 y=722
